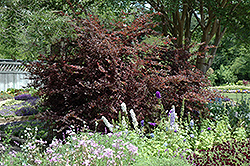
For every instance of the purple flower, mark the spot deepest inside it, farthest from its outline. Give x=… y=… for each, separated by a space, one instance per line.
x=133 y=149
x=175 y=131
x=158 y=94
x=192 y=135
x=108 y=152
x=152 y=135
x=142 y=123
x=26 y=111
x=192 y=123
x=184 y=140
x=209 y=128
x=24 y=97
x=152 y=124
x=172 y=117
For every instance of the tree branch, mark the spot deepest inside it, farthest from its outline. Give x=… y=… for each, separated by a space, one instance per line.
x=198 y=19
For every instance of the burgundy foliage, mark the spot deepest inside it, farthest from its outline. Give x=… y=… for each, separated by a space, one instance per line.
x=229 y=153
x=101 y=68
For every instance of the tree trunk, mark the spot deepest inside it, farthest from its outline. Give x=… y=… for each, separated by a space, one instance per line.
x=206 y=61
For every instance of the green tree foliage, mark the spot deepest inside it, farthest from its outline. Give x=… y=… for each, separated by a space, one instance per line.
x=27 y=28
x=225 y=75
x=227 y=52
x=233 y=55
x=202 y=21
x=241 y=64
x=31 y=27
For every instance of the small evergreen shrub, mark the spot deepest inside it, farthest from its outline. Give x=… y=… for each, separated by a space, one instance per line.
x=240 y=82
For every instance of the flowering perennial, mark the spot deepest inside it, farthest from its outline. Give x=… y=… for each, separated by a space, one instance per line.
x=106 y=122
x=134 y=120
x=124 y=108
x=158 y=94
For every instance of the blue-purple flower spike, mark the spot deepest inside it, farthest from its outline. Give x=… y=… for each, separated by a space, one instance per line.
x=142 y=123
x=158 y=94
x=172 y=117
x=152 y=124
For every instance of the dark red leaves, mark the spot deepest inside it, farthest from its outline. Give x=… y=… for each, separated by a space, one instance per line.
x=102 y=68
x=230 y=153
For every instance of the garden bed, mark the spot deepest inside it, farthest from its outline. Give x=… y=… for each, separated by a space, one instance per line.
x=156 y=142
x=4 y=120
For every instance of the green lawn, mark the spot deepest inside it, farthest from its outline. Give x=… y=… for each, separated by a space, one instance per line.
x=236 y=96
x=231 y=87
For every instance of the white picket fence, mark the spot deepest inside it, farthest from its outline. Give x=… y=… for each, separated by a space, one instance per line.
x=13 y=74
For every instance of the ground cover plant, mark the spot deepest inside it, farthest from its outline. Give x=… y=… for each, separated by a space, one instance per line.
x=229 y=153
x=5 y=95
x=21 y=105
x=170 y=141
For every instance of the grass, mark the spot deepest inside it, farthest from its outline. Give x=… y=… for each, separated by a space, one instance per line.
x=236 y=96
x=170 y=143
x=232 y=87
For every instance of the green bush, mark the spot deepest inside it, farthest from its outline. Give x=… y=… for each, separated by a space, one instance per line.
x=240 y=82
x=159 y=161
x=225 y=75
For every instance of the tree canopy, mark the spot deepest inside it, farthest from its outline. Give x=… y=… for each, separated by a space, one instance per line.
x=30 y=27
x=202 y=21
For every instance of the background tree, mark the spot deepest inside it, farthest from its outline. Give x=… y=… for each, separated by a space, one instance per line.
x=213 y=19
x=233 y=58
x=27 y=28
x=202 y=21
x=31 y=27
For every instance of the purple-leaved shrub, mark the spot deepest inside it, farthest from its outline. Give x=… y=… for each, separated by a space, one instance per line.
x=105 y=66
x=229 y=153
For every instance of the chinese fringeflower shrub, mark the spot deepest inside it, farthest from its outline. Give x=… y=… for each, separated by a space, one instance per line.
x=102 y=68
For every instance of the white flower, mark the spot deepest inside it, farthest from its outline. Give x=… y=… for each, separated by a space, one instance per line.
x=124 y=108
x=124 y=123
x=134 y=120
x=106 y=122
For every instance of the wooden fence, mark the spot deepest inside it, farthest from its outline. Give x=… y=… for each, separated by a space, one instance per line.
x=13 y=74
